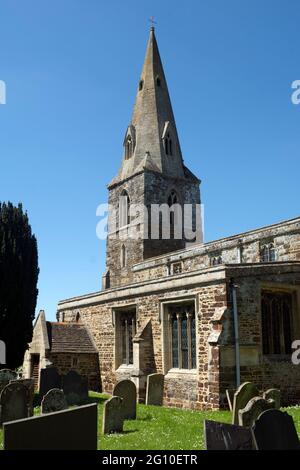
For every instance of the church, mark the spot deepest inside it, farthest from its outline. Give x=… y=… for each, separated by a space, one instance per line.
x=207 y=315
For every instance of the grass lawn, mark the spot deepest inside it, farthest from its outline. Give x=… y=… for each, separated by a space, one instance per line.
x=158 y=428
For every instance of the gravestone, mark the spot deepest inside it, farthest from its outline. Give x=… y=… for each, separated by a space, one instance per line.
x=49 y=378
x=244 y=393
x=273 y=394
x=223 y=436
x=6 y=375
x=229 y=396
x=126 y=390
x=54 y=400
x=74 y=429
x=75 y=388
x=253 y=409
x=155 y=389
x=13 y=402
x=275 y=430
x=113 y=416
x=29 y=385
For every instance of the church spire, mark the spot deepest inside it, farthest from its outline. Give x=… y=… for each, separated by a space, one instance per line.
x=151 y=141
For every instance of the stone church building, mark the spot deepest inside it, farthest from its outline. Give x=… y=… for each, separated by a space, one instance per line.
x=206 y=315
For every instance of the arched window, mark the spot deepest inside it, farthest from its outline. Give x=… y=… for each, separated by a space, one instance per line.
x=268 y=253
x=172 y=199
x=141 y=84
x=128 y=147
x=123 y=256
x=168 y=145
x=77 y=317
x=124 y=209
x=158 y=81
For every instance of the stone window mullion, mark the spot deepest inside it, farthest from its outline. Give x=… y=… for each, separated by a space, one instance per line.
x=179 y=341
x=189 y=330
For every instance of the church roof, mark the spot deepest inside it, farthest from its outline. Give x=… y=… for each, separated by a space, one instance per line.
x=152 y=122
x=70 y=337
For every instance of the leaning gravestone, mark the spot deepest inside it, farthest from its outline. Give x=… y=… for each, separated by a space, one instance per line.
x=74 y=429
x=155 y=389
x=223 y=436
x=29 y=385
x=253 y=409
x=113 y=416
x=126 y=389
x=13 y=403
x=54 y=400
x=244 y=393
x=49 y=378
x=75 y=388
x=273 y=394
x=275 y=430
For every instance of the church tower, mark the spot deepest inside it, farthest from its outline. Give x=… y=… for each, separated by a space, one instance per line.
x=152 y=174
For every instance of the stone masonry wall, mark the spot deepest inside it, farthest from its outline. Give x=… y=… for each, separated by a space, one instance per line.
x=87 y=366
x=187 y=389
x=266 y=372
x=244 y=248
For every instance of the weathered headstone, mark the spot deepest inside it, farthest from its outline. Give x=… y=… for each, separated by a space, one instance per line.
x=126 y=389
x=6 y=375
x=253 y=409
x=229 y=396
x=273 y=394
x=275 y=430
x=113 y=416
x=223 y=436
x=155 y=389
x=13 y=402
x=29 y=385
x=74 y=429
x=75 y=388
x=49 y=378
x=54 y=400
x=244 y=393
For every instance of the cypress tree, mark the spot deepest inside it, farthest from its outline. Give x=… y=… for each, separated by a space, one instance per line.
x=18 y=282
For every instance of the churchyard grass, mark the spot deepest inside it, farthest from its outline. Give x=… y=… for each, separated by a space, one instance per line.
x=158 y=428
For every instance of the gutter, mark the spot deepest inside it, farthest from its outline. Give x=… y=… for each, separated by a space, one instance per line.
x=233 y=289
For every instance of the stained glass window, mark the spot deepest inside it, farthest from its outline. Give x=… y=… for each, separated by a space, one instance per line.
x=183 y=340
x=127 y=323
x=276 y=322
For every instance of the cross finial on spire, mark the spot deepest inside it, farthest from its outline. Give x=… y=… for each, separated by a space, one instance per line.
x=151 y=19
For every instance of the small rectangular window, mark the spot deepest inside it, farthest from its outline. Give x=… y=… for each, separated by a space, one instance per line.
x=176 y=268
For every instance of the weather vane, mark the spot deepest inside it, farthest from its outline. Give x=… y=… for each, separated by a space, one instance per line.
x=151 y=19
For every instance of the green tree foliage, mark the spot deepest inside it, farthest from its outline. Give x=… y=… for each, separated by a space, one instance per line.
x=18 y=282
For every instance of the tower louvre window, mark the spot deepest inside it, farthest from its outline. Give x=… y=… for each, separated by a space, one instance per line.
x=128 y=148
x=172 y=200
x=123 y=256
x=124 y=209
x=168 y=145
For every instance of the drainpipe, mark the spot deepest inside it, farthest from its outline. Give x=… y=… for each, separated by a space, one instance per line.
x=233 y=288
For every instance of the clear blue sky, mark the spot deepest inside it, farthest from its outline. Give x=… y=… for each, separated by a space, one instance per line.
x=72 y=67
